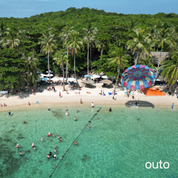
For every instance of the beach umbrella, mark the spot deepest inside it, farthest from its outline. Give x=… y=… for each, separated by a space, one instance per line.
x=108 y=82
x=49 y=71
x=102 y=73
x=44 y=79
x=87 y=76
x=71 y=79
x=138 y=77
x=96 y=76
x=89 y=82
x=55 y=79
x=48 y=75
x=104 y=76
x=61 y=78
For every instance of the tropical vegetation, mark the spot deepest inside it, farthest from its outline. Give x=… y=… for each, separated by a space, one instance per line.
x=91 y=39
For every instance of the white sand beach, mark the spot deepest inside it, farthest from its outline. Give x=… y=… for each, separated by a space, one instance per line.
x=52 y=99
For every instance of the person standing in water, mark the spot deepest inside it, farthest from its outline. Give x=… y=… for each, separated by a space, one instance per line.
x=9 y=113
x=172 y=105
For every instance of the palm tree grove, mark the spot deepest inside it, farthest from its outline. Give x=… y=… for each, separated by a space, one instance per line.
x=77 y=41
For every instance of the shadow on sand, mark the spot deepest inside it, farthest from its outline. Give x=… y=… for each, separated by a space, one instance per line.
x=132 y=103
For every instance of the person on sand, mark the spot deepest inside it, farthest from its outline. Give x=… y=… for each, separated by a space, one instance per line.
x=1 y=105
x=133 y=96
x=75 y=118
x=29 y=103
x=92 y=104
x=5 y=104
x=80 y=100
x=60 y=95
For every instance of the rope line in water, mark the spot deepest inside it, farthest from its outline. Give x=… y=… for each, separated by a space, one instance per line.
x=72 y=144
x=141 y=144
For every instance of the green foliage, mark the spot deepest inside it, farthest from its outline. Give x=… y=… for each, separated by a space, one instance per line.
x=11 y=69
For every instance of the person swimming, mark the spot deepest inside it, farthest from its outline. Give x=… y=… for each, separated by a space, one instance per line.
x=41 y=139
x=110 y=109
x=9 y=113
x=88 y=126
x=75 y=118
x=54 y=150
x=48 y=108
x=17 y=146
x=60 y=139
x=24 y=121
x=20 y=153
x=48 y=156
x=49 y=134
x=54 y=156
x=67 y=113
x=50 y=153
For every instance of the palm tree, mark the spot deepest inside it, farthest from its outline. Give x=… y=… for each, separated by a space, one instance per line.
x=11 y=39
x=90 y=33
x=31 y=66
x=118 y=56
x=100 y=45
x=64 y=35
x=162 y=39
x=75 y=43
x=138 y=43
x=147 y=61
x=47 y=45
x=170 y=69
x=61 y=58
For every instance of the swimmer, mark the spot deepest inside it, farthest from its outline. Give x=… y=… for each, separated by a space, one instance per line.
x=65 y=108
x=41 y=139
x=17 y=146
x=60 y=139
x=24 y=121
x=67 y=113
x=48 y=156
x=89 y=126
x=77 y=111
x=20 y=153
x=50 y=153
x=54 y=156
x=54 y=150
x=9 y=113
x=110 y=109
x=34 y=147
x=89 y=121
x=49 y=134
x=53 y=135
x=55 y=146
x=48 y=108
x=92 y=104
x=75 y=142
x=75 y=118
x=97 y=118
x=80 y=100
x=106 y=111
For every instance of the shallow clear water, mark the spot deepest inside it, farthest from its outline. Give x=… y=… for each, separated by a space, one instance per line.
x=117 y=145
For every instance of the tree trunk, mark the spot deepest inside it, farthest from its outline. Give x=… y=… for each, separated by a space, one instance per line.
x=63 y=76
x=74 y=65
x=90 y=53
x=101 y=50
x=67 y=67
x=118 y=71
x=136 y=60
x=158 y=64
x=48 y=65
x=87 y=58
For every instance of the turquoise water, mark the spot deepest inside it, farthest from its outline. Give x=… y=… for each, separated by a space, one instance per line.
x=117 y=145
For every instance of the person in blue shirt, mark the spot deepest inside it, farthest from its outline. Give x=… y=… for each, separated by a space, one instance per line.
x=172 y=105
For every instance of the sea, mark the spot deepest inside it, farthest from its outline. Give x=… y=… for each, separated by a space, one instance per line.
x=128 y=142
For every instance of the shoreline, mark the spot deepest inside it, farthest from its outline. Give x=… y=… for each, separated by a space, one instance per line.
x=16 y=104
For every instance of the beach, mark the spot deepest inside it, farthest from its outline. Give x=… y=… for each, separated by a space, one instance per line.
x=51 y=99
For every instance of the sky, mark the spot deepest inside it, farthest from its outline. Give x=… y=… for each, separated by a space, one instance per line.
x=27 y=8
